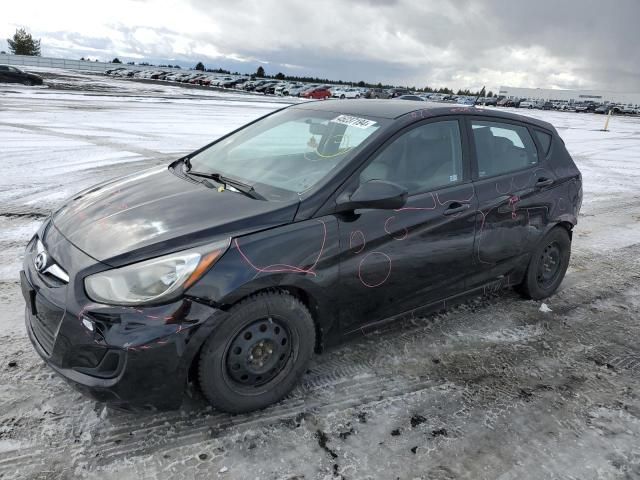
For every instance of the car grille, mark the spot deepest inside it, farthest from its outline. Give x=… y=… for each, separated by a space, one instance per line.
x=45 y=324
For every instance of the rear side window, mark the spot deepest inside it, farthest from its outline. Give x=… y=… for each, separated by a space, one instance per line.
x=545 y=140
x=502 y=148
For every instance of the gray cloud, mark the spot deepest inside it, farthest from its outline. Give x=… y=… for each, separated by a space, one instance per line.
x=571 y=43
x=460 y=43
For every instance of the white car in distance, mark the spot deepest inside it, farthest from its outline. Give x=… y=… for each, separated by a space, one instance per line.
x=295 y=90
x=345 y=92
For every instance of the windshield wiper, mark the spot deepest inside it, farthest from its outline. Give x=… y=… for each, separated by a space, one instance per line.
x=242 y=187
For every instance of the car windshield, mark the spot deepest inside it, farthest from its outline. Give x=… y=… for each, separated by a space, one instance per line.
x=289 y=152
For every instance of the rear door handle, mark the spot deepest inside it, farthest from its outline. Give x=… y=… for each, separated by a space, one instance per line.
x=544 y=182
x=456 y=207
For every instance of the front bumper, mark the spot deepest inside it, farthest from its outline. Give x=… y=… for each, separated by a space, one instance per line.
x=132 y=358
x=150 y=375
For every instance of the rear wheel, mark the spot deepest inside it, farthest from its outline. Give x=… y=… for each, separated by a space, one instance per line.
x=256 y=355
x=548 y=265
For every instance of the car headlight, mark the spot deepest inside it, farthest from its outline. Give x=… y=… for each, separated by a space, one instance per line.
x=155 y=280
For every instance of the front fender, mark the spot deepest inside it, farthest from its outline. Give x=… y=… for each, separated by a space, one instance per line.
x=302 y=256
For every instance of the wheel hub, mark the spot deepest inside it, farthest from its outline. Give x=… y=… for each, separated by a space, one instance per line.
x=549 y=265
x=261 y=353
x=258 y=352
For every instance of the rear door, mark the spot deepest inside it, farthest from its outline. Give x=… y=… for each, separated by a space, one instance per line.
x=510 y=181
x=393 y=261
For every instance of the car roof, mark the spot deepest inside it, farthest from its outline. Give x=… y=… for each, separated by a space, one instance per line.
x=393 y=109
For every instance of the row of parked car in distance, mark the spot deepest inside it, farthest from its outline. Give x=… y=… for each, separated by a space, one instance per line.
x=258 y=85
x=324 y=91
x=580 y=107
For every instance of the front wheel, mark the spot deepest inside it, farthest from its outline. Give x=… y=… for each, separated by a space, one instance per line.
x=28 y=83
x=548 y=265
x=258 y=353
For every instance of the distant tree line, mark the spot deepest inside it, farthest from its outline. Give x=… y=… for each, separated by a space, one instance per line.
x=260 y=73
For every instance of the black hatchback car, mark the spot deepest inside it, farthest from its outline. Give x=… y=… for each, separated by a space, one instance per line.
x=233 y=265
x=9 y=74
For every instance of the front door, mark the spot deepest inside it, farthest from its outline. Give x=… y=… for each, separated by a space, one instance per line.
x=393 y=261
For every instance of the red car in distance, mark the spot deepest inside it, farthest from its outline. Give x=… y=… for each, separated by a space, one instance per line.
x=317 y=93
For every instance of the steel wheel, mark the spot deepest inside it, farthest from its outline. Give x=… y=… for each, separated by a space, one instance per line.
x=258 y=353
x=549 y=265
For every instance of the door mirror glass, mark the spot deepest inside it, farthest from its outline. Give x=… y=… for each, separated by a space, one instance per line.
x=378 y=194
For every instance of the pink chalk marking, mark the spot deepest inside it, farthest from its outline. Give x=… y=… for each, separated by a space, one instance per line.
x=484 y=217
x=512 y=182
x=351 y=240
x=284 y=268
x=374 y=285
x=561 y=206
x=513 y=200
x=465 y=200
x=509 y=189
x=386 y=229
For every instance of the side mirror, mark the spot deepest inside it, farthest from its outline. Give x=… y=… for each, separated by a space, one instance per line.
x=378 y=194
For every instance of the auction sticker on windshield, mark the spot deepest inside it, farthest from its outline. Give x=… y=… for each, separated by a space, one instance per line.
x=354 y=121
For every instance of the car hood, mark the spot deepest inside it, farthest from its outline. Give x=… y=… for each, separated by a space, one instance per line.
x=155 y=212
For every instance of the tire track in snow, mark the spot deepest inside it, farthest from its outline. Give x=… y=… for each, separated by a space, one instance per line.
x=362 y=373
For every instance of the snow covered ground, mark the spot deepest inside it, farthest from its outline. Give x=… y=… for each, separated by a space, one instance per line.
x=497 y=388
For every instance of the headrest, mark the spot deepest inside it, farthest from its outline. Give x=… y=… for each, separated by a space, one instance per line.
x=430 y=133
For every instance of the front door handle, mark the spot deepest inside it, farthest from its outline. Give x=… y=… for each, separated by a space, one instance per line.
x=544 y=182
x=456 y=207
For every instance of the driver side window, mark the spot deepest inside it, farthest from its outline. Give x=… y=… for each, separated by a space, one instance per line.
x=423 y=159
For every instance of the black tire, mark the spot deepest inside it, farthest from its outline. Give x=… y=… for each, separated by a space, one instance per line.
x=28 y=83
x=547 y=266
x=281 y=329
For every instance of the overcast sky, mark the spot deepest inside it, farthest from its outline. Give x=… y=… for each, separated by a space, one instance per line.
x=458 y=43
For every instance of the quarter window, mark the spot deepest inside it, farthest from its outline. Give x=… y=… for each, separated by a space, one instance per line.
x=502 y=148
x=423 y=159
x=544 y=139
